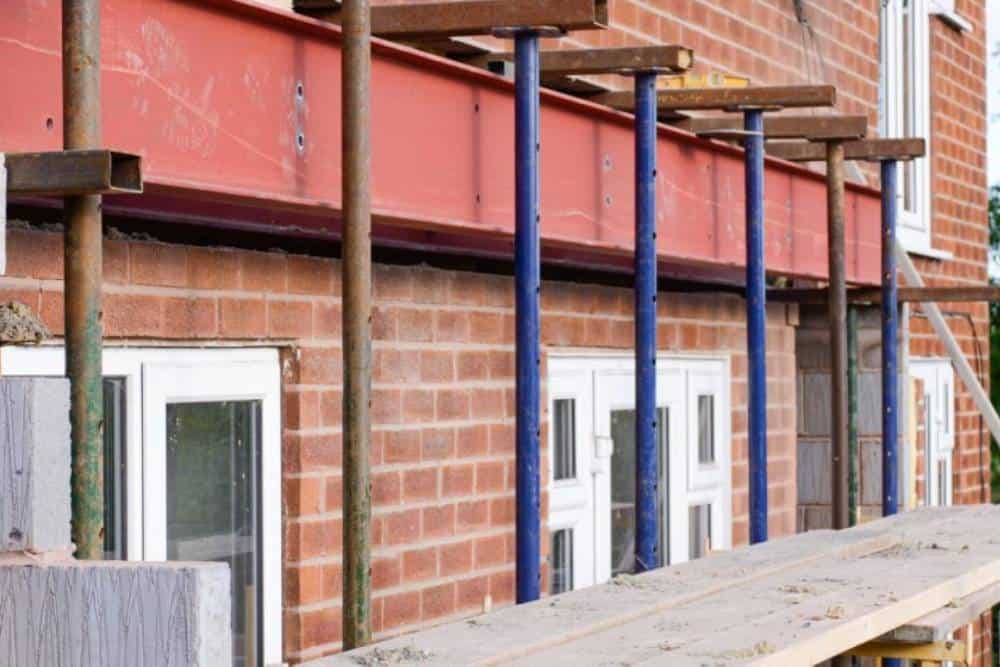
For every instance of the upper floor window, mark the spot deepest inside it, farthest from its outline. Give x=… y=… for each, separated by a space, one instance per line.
x=904 y=110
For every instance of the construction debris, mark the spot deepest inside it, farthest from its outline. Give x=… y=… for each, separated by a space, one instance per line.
x=20 y=326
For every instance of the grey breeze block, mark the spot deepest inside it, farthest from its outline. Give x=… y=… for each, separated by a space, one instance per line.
x=114 y=614
x=34 y=464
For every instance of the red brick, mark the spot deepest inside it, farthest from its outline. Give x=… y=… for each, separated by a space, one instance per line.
x=321 y=626
x=393 y=283
x=457 y=480
x=210 y=268
x=472 y=592
x=331 y=408
x=289 y=319
x=501 y=364
x=311 y=539
x=130 y=315
x=158 y=264
x=415 y=324
x=334 y=493
x=502 y=587
x=487 y=403
x=303 y=496
x=310 y=275
x=115 y=262
x=386 y=488
x=311 y=453
x=473 y=514
x=420 y=484
x=418 y=406
x=437 y=601
x=402 y=446
x=190 y=317
x=243 y=318
x=451 y=326
x=303 y=585
x=472 y=365
x=34 y=254
x=302 y=410
x=319 y=365
x=489 y=477
x=326 y=320
x=264 y=272
x=437 y=444
x=472 y=440
x=456 y=558
x=436 y=366
x=502 y=512
x=451 y=404
x=486 y=327
x=439 y=521
x=420 y=564
x=403 y=527
x=386 y=572
x=490 y=551
x=400 y=609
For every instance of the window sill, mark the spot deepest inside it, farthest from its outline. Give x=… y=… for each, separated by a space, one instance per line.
x=946 y=12
x=929 y=253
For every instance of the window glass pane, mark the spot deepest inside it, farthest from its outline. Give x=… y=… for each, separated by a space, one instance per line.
x=623 y=492
x=946 y=407
x=114 y=468
x=562 y=561
x=213 y=500
x=706 y=428
x=699 y=530
x=942 y=483
x=663 y=509
x=564 y=432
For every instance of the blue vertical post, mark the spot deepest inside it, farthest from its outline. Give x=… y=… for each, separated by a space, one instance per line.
x=646 y=477
x=890 y=341
x=527 y=284
x=756 y=324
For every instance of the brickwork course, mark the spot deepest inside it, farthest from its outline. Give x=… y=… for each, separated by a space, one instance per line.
x=443 y=459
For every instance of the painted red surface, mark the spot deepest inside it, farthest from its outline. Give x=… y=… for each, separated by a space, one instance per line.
x=206 y=91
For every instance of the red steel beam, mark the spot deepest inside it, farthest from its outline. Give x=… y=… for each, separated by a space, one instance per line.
x=208 y=93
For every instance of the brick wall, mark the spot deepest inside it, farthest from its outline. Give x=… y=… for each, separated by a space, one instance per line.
x=443 y=463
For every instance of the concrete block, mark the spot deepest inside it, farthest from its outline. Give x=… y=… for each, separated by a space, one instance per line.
x=113 y=614
x=34 y=464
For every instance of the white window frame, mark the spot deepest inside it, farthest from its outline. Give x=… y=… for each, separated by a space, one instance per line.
x=154 y=376
x=914 y=228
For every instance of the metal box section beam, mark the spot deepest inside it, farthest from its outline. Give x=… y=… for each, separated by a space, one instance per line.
x=870 y=149
x=813 y=128
x=729 y=99
x=73 y=172
x=437 y=20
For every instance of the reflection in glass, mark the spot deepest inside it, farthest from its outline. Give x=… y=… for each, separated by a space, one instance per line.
x=564 y=432
x=706 y=428
x=562 y=561
x=213 y=499
x=114 y=468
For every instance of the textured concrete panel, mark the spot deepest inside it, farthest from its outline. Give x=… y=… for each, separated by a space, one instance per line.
x=34 y=464
x=77 y=614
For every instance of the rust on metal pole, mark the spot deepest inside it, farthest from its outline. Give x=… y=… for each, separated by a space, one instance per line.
x=81 y=41
x=357 y=316
x=837 y=307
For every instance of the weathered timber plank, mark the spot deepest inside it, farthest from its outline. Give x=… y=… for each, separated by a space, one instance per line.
x=667 y=58
x=436 y=20
x=785 y=126
x=792 y=601
x=868 y=149
x=818 y=295
x=693 y=99
x=937 y=625
x=944 y=650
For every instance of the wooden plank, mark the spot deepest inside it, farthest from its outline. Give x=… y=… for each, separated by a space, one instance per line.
x=563 y=62
x=436 y=20
x=868 y=149
x=937 y=625
x=791 y=601
x=818 y=295
x=936 y=651
x=76 y=172
x=729 y=99
x=783 y=126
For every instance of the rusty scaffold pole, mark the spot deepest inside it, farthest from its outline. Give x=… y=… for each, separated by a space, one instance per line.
x=357 y=314
x=81 y=40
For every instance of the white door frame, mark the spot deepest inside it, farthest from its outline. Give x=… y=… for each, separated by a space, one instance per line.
x=600 y=381
x=157 y=375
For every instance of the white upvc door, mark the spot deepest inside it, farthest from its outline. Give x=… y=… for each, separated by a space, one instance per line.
x=592 y=415
x=201 y=434
x=938 y=399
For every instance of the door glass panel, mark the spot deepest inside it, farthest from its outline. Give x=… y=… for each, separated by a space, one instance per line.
x=114 y=468
x=562 y=561
x=213 y=452
x=663 y=508
x=942 y=483
x=706 y=428
x=564 y=432
x=623 y=492
x=699 y=530
x=623 y=462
